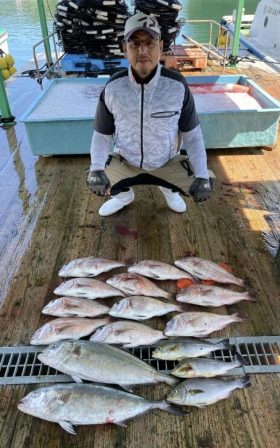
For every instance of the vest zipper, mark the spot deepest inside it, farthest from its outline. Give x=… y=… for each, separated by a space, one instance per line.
x=142 y=120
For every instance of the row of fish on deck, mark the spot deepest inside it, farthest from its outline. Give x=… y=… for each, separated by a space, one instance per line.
x=99 y=361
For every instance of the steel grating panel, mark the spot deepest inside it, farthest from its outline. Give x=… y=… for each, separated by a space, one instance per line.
x=20 y=365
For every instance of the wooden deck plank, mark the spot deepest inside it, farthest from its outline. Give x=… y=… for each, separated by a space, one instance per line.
x=52 y=218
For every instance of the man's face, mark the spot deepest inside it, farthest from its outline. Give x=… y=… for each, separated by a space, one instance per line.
x=143 y=52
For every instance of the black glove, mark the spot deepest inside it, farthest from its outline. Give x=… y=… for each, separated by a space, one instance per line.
x=98 y=182
x=201 y=189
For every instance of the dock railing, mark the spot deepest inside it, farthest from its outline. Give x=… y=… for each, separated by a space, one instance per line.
x=211 y=47
x=55 y=68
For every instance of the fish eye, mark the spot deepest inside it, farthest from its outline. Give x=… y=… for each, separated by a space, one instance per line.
x=36 y=394
x=53 y=346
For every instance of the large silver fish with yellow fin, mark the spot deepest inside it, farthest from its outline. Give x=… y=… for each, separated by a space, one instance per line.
x=88 y=404
x=102 y=363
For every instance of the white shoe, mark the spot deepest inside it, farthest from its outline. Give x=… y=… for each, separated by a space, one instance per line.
x=116 y=203
x=174 y=200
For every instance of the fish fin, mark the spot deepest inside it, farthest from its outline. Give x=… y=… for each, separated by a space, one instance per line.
x=247 y=284
x=225 y=344
x=208 y=282
x=126 y=387
x=122 y=424
x=120 y=331
x=184 y=369
x=240 y=317
x=226 y=267
x=195 y=391
x=171 y=408
x=243 y=361
x=184 y=282
x=244 y=382
x=77 y=379
x=68 y=427
x=170 y=295
x=252 y=295
x=130 y=345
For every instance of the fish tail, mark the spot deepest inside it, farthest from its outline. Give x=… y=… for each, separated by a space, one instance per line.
x=240 y=317
x=242 y=361
x=240 y=282
x=168 y=379
x=183 y=307
x=171 y=408
x=251 y=294
x=224 y=344
x=247 y=284
x=244 y=382
x=170 y=295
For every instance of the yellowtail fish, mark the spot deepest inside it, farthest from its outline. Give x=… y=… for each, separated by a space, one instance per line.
x=88 y=404
x=102 y=363
x=188 y=348
x=206 y=367
x=201 y=392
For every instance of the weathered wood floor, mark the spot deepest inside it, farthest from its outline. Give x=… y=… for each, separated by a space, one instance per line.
x=48 y=216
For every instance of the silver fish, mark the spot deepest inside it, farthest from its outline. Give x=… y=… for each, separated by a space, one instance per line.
x=136 y=285
x=199 y=324
x=88 y=404
x=203 y=269
x=128 y=334
x=101 y=363
x=141 y=308
x=210 y=295
x=158 y=270
x=74 y=307
x=87 y=288
x=188 y=348
x=205 y=367
x=201 y=392
x=66 y=328
x=88 y=267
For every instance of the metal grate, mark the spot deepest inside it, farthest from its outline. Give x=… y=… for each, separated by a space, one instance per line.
x=20 y=365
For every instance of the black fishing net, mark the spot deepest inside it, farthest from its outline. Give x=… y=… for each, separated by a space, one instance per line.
x=96 y=27
x=91 y=27
x=166 y=13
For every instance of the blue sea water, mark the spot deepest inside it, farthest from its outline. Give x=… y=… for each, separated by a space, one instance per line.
x=20 y=19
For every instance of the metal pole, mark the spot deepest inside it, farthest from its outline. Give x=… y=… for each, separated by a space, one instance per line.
x=6 y=115
x=236 y=35
x=44 y=29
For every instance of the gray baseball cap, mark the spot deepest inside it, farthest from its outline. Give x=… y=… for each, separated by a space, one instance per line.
x=141 y=22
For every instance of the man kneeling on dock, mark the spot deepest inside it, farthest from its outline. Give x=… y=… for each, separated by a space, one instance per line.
x=145 y=108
